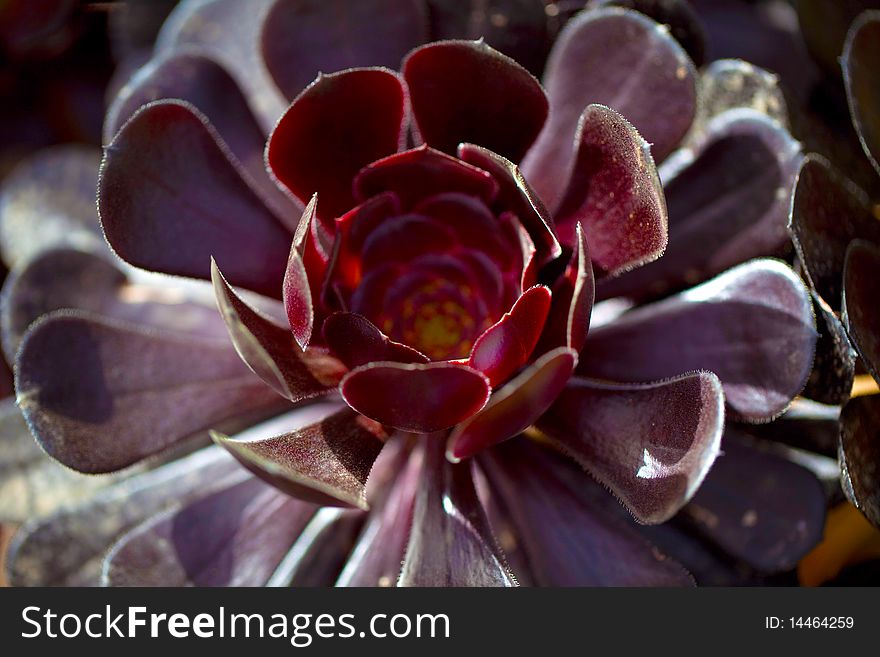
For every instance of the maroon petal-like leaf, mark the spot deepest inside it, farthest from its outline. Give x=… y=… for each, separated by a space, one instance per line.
x=66 y=548
x=64 y=278
x=451 y=543
x=506 y=346
x=298 y=289
x=728 y=202
x=421 y=398
x=341 y=123
x=861 y=54
x=753 y=326
x=324 y=455
x=48 y=201
x=376 y=559
x=170 y=199
x=617 y=58
x=466 y=91
x=758 y=507
x=101 y=395
x=344 y=271
x=860 y=454
x=562 y=523
x=405 y=238
x=827 y=212
x=516 y=195
x=230 y=31
x=271 y=351
x=650 y=444
x=513 y=408
x=422 y=172
x=614 y=192
x=572 y=305
x=861 y=302
x=195 y=77
x=297 y=33
x=234 y=537
x=356 y=341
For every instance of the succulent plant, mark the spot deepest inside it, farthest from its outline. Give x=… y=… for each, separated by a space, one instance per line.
x=406 y=254
x=836 y=230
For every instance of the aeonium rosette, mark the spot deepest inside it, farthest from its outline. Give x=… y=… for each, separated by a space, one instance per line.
x=432 y=274
x=410 y=279
x=426 y=263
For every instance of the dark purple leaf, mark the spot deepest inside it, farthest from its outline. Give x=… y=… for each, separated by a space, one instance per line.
x=515 y=194
x=234 y=537
x=271 y=351
x=753 y=326
x=451 y=543
x=376 y=559
x=66 y=548
x=861 y=55
x=341 y=123
x=321 y=551
x=773 y=42
x=617 y=58
x=614 y=193
x=678 y=15
x=728 y=202
x=518 y=28
x=824 y=25
x=64 y=278
x=304 y=37
x=324 y=455
x=514 y=407
x=833 y=372
x=650 y=444
x=356 y=341
x=101 y=395
x=860 y=454
x=133 y=28
x=828 y=212
x=562 y=523
x=466 y=91
x=708 y=565
x=48 y=201
x=572 y=306
x=421 y=398
x=170 y=200
x=861 y=302
x=230 y=31
x=507 y=345
x=760 y=508
x=194 y=77
x=806 y=425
